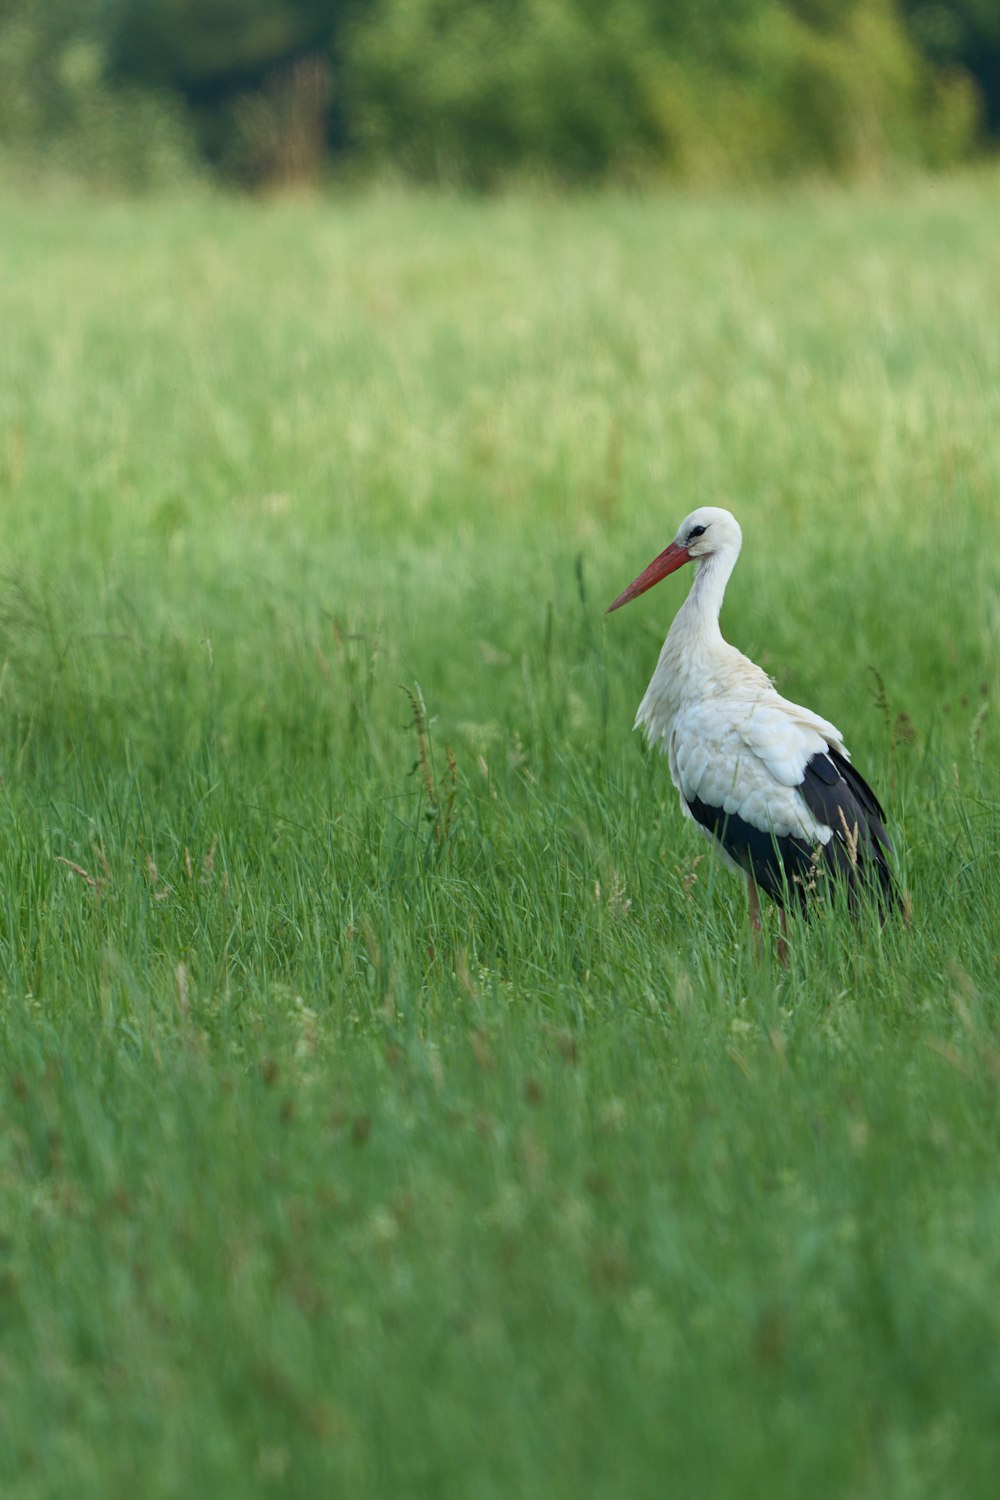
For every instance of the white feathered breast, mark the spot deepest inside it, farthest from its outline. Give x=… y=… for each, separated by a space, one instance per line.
x=745 y=752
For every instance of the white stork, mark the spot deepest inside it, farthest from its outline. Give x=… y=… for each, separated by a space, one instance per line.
x=769 y=783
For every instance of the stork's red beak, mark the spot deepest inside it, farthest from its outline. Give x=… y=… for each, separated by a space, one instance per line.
x=668 y=562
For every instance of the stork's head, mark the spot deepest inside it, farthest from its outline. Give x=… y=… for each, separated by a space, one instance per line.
x=701 y=535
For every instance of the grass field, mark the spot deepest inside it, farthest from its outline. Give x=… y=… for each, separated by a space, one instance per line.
x=390 y=1102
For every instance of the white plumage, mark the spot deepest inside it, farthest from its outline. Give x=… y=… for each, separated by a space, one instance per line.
x=768 y=781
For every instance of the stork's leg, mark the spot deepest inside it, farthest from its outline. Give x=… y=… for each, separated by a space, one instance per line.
x=754 y=915
x=755 y=924
x=783 y=940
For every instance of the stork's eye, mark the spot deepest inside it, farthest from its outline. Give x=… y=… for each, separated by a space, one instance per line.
x=696 y=531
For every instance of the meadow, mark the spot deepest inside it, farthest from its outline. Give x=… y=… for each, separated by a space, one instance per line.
x=391 y=1102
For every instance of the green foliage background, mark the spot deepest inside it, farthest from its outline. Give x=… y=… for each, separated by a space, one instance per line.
x=137 y=92
x=391 y=1101
x=370 y=1127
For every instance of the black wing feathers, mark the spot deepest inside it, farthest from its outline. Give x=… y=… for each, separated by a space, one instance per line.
x=860 y=846
x=861 y=789
x=857 y=854
x=778 y=865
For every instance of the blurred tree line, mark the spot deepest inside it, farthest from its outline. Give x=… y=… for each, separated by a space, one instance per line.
x=136 y=93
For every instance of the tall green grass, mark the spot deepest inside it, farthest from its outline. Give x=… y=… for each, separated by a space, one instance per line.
x=390 y=1100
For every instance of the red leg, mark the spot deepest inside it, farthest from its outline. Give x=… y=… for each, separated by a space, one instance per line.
x=754 y=915
x=783 y=940
x=755 y=925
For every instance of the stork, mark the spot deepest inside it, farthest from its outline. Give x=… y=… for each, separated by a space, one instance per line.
x=770 y=783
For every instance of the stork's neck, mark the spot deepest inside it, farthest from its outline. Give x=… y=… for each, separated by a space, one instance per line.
x=697 y=620
x=695 y=660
